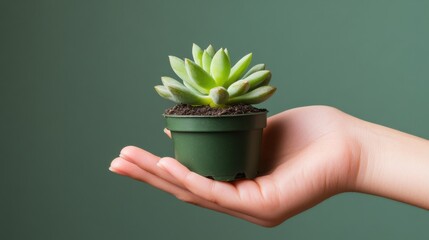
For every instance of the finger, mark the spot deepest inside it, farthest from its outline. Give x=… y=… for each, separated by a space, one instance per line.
x=125 y=168
x=166 y=131
x=221 y=193
x=147 y=161
x=257 y=198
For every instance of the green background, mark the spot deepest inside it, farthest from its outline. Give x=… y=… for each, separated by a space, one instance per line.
x=77 y=83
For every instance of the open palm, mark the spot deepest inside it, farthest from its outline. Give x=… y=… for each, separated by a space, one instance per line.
x=309 y=154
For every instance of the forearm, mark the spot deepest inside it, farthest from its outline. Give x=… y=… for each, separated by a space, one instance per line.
x=393 y=164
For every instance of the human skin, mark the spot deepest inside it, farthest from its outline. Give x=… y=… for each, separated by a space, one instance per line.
x=308 y=155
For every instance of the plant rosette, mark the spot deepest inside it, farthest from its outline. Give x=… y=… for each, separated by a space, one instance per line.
x=210 y=136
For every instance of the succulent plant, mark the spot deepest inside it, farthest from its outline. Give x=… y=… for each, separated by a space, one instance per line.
x=210 y=80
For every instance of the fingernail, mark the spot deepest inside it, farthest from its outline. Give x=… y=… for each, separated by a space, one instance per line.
x=126 y=151
x=160 y=164
x=113 y=165
x=121 y=155
x=116 y=171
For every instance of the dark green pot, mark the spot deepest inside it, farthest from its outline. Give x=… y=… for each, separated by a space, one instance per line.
x=224 y=148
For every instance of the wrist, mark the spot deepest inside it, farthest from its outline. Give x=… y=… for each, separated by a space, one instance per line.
x=367 y=149
x=392 y=164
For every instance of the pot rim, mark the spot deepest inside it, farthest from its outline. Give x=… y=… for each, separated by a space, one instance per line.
x=214 y=116
x=201 y=123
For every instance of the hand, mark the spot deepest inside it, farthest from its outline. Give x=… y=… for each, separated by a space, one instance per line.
x=309 y=155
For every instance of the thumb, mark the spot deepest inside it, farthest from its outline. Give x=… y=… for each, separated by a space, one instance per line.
x=167 y=132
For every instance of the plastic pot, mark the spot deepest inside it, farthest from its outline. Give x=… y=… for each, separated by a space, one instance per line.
x=224 y=148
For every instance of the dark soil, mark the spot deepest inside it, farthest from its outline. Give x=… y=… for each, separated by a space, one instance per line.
x=185 y=109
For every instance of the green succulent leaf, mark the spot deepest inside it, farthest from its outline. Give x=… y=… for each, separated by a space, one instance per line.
x=197 y=54
x=168 y=81
x=254 y=97
x=171 y=82
x=266 y=81
x=192 y=89
x=239 y=69
x=207 y=61
x=227 y=54
x=178 y=66
x=211 y=80
x=219 y=95
x=255 y=79
x=183 y=95
x=210 y=50
x=200 y=79
x=220 y=67
x=238 y=88
x=257 y=67
x=163 y=92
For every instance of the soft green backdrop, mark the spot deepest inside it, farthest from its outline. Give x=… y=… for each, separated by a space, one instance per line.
x=77 y=83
